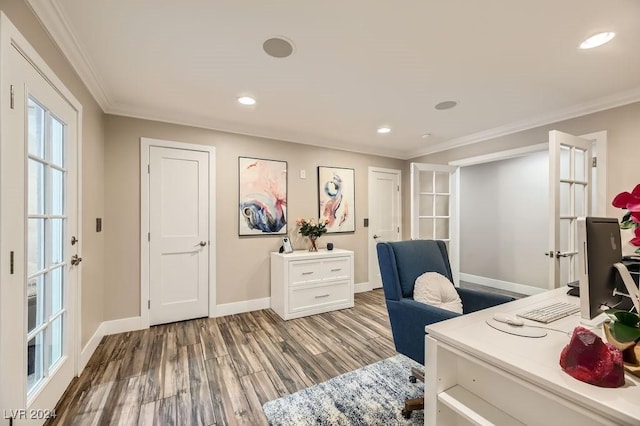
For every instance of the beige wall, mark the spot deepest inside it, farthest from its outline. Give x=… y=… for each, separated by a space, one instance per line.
x=622 y=125
x=92 y=163
x=242 y=263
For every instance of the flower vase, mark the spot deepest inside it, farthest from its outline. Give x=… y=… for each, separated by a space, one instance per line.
x=313 y=246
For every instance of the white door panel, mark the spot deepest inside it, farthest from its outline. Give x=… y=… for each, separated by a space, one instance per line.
x=179 y=234
x=569 y=198
x=384 y=215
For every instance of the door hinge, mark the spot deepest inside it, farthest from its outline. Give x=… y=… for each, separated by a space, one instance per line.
x=148 y=168
x=11 y=263
x=398 y=229
x=148 y=304
x=398 y=188
x=11 y=91
x=148 y=236
x=594 y=162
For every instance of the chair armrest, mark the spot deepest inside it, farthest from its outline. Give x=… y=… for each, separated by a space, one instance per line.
x=475 y=300
x=427 y=314
x=408 y=319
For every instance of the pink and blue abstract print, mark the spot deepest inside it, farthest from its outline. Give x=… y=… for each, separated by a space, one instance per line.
x=263 y=196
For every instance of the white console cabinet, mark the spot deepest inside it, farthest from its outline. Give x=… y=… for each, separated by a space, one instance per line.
x=306 y=283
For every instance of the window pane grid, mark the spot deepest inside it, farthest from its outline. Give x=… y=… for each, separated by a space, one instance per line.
x=46 y=295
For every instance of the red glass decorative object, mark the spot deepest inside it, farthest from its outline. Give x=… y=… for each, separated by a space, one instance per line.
x=588 y=359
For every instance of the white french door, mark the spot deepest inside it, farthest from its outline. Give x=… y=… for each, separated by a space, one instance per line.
x=569 y=198
x=433 y=198
x=385 y=215
x=179 y=234
x=39 y=213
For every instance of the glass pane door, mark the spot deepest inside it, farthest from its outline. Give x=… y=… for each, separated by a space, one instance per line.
x=46 y=236
x=570 y=173
x=433 y=206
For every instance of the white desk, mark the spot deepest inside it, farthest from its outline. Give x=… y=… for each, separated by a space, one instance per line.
x=476 y=374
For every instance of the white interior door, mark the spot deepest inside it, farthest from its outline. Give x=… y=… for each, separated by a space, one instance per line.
x=569 y=198
x=39 y=199
x=433 y=194
x=385 y=215
x=179 y=234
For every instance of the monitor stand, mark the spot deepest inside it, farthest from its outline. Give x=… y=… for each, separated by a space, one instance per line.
x=595 y=322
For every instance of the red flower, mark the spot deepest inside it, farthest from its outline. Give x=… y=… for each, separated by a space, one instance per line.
x=636 y=240
x=629 y=201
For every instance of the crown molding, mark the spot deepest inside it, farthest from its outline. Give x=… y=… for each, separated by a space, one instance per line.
x=253 y=131
x=52 y=19
x=601 y=104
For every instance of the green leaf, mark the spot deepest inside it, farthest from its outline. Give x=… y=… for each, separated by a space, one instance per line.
x=624 y=333
x=624 y=317
x=628 y=224
x=626 y=217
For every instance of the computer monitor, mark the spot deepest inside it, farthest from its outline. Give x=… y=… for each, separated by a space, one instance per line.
x=599 y=248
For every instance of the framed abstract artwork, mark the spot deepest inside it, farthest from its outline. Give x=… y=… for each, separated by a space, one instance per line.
x=336 y=198
x=262 y=196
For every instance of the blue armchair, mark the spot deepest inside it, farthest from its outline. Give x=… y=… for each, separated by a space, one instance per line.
x=400 y=264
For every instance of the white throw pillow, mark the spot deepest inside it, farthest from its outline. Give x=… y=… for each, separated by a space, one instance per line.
x=435 y=289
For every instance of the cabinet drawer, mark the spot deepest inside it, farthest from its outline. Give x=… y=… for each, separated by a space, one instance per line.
x=339 y=268
x=302 y=272
x=303 y=298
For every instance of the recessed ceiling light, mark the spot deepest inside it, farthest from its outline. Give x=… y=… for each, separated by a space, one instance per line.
x=446 y=105
x=384 y=129
x=426 y=135
x=246 y=100
x=597 y=40
x=278 y=47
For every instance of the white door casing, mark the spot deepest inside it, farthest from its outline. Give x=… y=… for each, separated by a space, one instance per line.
x=177 y=232
x=569 y=198
x=39 y=180
x=433 y=216
x=385 y=215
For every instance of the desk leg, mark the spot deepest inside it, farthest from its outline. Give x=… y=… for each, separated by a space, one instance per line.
x=440 y=375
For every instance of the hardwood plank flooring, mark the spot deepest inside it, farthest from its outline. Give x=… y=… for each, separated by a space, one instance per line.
x=219 y=371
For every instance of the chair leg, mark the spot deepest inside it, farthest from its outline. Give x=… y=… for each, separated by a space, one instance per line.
x=412 y=404
x=416 y=374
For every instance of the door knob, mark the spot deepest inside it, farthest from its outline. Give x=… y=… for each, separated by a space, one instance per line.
x=75 y=260
x=375 y=237
x=202 y=243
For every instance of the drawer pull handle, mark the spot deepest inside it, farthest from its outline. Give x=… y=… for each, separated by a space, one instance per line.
x=336 y=270
x=321 y=296
x=307 y=273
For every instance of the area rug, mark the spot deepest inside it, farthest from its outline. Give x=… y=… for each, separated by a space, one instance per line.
x=371 y=395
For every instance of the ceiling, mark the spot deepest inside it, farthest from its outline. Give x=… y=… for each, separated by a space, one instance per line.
x=356 y=65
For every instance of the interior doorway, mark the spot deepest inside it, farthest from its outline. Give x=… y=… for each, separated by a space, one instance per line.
x=385 y=215
x=520 y=159
x=40 y=226
x=178 y=231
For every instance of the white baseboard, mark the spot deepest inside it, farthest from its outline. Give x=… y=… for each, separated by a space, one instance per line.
x=362 y=287
x=123 y=325
x=104 y=329
x=90 y=347
x=241 y=307
x=502 y=285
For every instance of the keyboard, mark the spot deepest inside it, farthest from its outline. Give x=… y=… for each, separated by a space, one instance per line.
x=550 y=313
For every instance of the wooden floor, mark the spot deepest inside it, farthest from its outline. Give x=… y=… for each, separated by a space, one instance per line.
x=221 y=370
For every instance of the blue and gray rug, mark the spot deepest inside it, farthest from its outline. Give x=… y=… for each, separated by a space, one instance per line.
x=371 y=395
